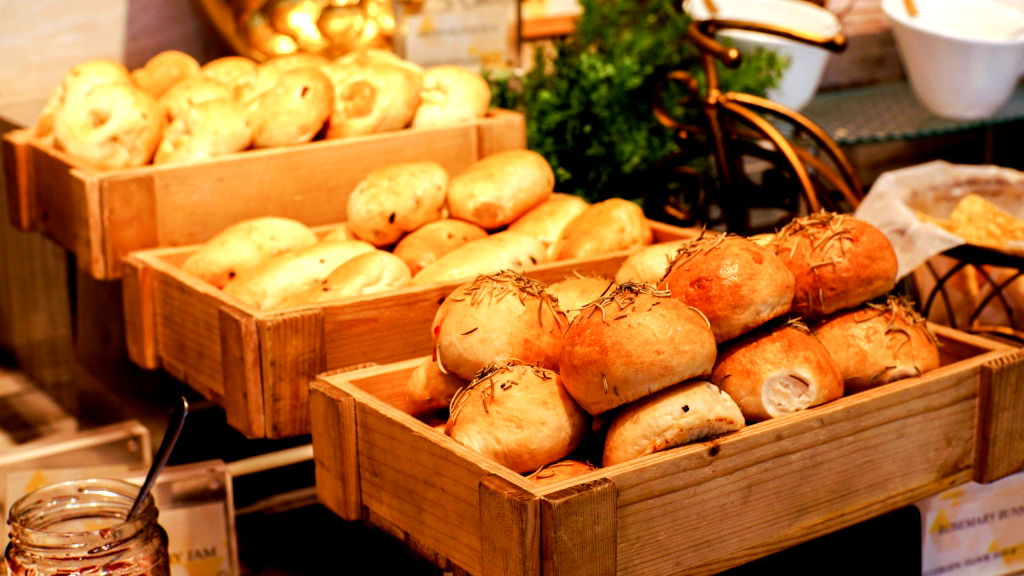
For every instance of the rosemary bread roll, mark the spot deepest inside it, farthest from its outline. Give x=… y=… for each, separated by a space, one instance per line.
x=424 y=245
x=561 y=470
x=777 y=370
x=575 y=292
x=494 y=318
x=396 y=199
x=608 y=226
x=244 y=245
x=878 y=343
x=284 y=275
x=632 y=343
x=367 y=273
x=205 y=130
x=78 y=82
x=838 y=262
x=429 y=391
x=680 y=414
x=506 y=250
x=498 y=189
x=294 y=109
x=547 y=219
x=649 y=264
x=164 y=70
x=518 y=415
x=451 y=95
x=738 y=284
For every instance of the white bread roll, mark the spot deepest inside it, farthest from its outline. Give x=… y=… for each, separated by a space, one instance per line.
x=777 y=370
x=838 y=262
x=519 y=416
x=424 y=245
x=245 y=245
x=206 y=130
x=367 y=273
x=575 y=292
x=649 y=264
x=878 y=343
x=192 y=91
x=608 y=226
x=632 y=343
x=497 y=189
x=429 y=391
x=163 y=70
x=451 y=95
x=680 y=414
x=236 y=72
x=293 y=110
x=547 y=219
x=281 y=277
x=561 y=470
x=506 y=250
x=391 y=201
x=738 y=284
x=78 y=82
x=372 y=95
x=494 y=318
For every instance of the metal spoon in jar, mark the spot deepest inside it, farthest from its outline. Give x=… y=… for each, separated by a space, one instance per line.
x=174 y=427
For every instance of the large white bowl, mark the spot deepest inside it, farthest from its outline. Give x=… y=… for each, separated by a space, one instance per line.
x=807 y=63
x=963 y=58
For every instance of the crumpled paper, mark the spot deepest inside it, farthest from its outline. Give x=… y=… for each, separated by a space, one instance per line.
x=934 y=188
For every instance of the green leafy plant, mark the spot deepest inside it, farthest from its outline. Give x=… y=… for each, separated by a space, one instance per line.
x=588 y=100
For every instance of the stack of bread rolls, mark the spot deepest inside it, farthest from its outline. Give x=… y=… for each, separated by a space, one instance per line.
x=414 y=224
x=690 y=340
x=174 y=109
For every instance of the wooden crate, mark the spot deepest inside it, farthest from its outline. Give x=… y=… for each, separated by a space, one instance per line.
x=100 y=216
x=696 y=509
x=258 y=364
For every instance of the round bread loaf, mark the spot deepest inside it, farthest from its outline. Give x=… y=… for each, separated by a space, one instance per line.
x=631 y=343
x=494 y=318
x=396 y=199
x=738 y=284
x=547 y=219
x=575 y=292
x=680 y=414
x=77 y=83
x=777 y=370
x=294 y=110
x=110 y=127
x=424 y=245
x=451 y=95
x=366 y=273
x=164 y=70
x=608 y=226
x=649 y=264
x=838 y=262
x=205 y=130
x=497 y=189
x=878 y=343
x=505 y=250
x=429 y=391
x=518 y=415
x=561 y=470
x=372 y=96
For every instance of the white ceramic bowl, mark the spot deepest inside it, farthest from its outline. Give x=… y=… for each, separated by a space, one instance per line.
x=800 y=80
x=963 y=58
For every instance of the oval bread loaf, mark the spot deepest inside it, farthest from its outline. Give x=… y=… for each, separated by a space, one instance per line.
x=608 y=226
x=451 y=95
x=424 y=245
x=649 y=264
x=391 y=201
x=497 y=189
x=547 y=219
x=367 y=273
x=294 y=110
x=506 y=250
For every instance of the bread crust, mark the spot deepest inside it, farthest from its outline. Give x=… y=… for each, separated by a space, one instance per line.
x=631 y=343
x=776 y=370
x=878 y=343
x=738 y=284
x=838 y=262
x=687 y=412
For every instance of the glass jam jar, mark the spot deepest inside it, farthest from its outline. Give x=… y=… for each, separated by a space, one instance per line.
x=79 y=527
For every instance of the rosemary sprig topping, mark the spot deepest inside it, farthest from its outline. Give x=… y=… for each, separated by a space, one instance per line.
x=706 y=242
x=828 y=233
x=622 y=298
x=485 y=381
x=898 y=309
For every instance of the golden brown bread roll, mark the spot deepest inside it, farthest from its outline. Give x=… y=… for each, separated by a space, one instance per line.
x=391 y=201
x=372 y=96
x=294 y=110
x=575 y=292
x=192 y=91
x=206 y=130
x=424 y=245
x=76 y=83
x=649 y=264
x=738 y=284
x=777 y=370
x=632 y=343
x=280 y=277
x=561 y=470
x=878 y=343
x=235 y=72
x=518 y=415
x=367 y=273
x=506 y=250
x=164 y=70
x=497 y=189
x=110 y=127
x=688 y=412
x=244 y=245
x=838 y=261
x=451 y=95
x=429 y=391
x=497 y=317
x=608 y=226
x=547 y=219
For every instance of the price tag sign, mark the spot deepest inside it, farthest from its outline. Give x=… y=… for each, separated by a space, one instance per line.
x=471 y=33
